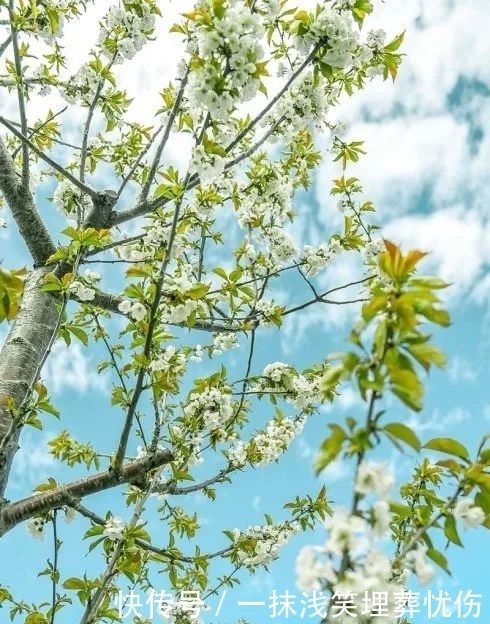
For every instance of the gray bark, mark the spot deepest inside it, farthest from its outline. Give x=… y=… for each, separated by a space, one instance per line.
x=20 y=361
x=21 y=204
x=134 y=472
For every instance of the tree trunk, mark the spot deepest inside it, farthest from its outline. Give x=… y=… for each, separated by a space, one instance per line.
x=21 y=360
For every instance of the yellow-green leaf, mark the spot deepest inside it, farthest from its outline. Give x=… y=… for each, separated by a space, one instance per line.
x=403 y=433
x=447 y=445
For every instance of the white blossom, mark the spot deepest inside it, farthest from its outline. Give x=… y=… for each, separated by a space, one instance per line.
x=213 y=405
x=424 y=571
x=382 y=517
x=376 y=39
x=345 y=532
x=267 y=542
x=234 y=40
x=170 y=359
x=114 y=528
x=35 y=526
x=224 y=341
x=267 y=310
x=277 y=371
x=68 y=199
x=471 y=514
x=84 y=293
x=123 y=33
x=374 y=478
x=197 y=354
x=136 y=310
x=315 y=259
x=310 y=571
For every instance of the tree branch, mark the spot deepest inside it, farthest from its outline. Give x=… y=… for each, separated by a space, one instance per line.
x=163 y=552
x=110 y=302
x=5 y=44
x=52 y=163
x=20 y=97
x=12 y=514
x=24 y=212
x=171 y=118
x=144 y=207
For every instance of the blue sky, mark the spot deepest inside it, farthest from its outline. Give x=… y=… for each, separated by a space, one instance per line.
x=426 y=170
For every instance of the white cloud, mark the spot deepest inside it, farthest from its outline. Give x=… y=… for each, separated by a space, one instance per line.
x=337 y=470
x=346 y=400
x=460 y=369
x=305 y=450
x=437 y=421
x=33 y=461
x=69 y=368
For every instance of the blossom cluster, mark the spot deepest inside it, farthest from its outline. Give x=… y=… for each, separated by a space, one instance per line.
x=125 y=29
x=213 y=407
x=49 y=29
x=259 y=545
x=337 y=30
x=84 y=288
x=170 y=359
x=317 y=258
x=83 y=85
x=359 y=534
x=224 y=341
x=178 y=301
x=228 y=50
x=471 y=514
x=306 y=103
x=208 y=167
x=134 y=309
x=282 y=246
x=266 y=446
x=370 y=569
x=268 y=310
x=69 y=200
x=269 y=201
x=280 y=378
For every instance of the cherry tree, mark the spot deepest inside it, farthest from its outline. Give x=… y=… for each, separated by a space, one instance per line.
x=174 y=265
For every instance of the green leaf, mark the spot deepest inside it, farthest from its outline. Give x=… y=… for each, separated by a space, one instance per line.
x=330 y=448
x=395 y=44
x=429 y=281
x=447 y=445
x=410 y=399
x=221 y=272
x=427 y=354
x=331 y=378
x=403 y=433
x=35 y=618
x=450 y=530
x=79 y=333
x=439 y=317
x=438 y=558
x=74 y=583
x=370 y=309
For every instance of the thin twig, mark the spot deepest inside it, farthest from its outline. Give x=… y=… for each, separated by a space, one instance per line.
x=34 y=131
x=20 y=97
x=59 y=168
x=156 y=161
